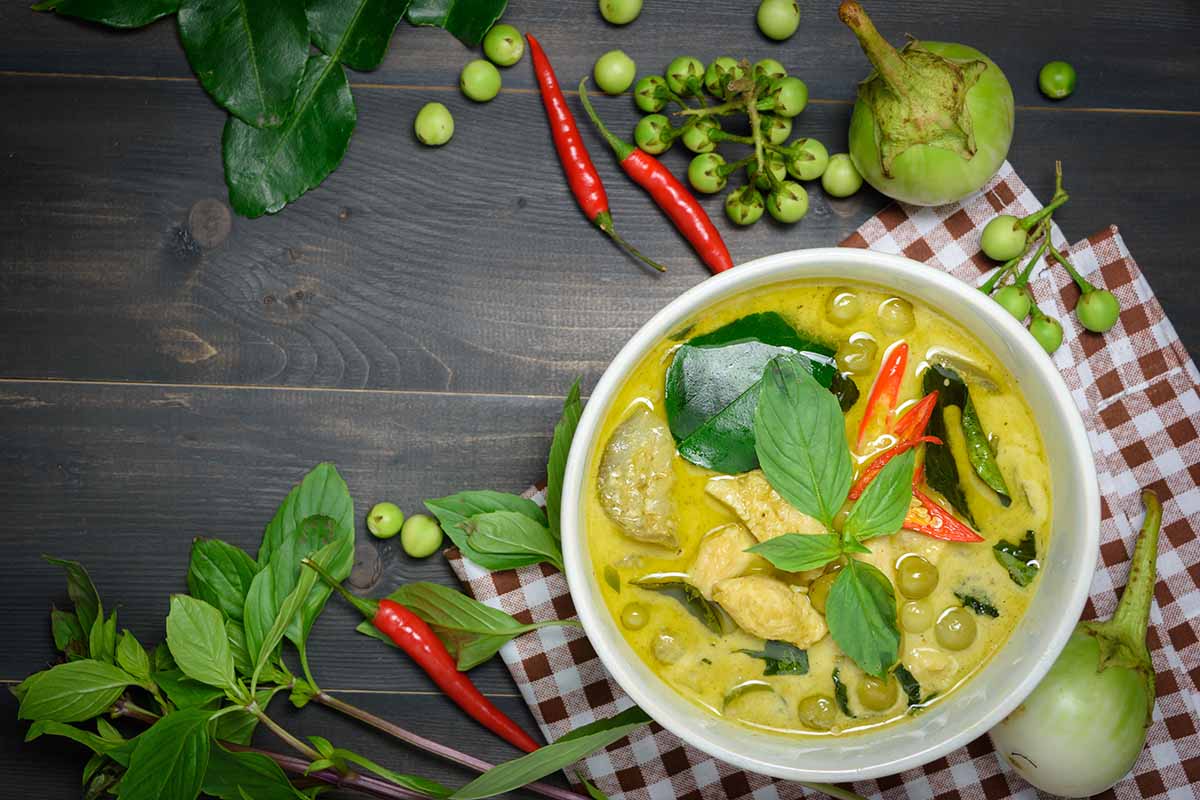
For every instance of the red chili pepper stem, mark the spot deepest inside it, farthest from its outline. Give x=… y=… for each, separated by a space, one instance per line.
x=604 y=222
x=622 y=148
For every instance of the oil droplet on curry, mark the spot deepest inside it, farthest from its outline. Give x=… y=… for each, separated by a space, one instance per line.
x=677 y=500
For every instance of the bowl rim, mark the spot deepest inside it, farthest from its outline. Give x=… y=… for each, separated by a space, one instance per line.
x=764 y=271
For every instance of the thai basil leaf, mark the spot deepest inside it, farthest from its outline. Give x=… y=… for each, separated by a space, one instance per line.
x=267 y=168
x=170 y=758
x=468 y=20
x=797 y=552
x=511 y=533
x=841 y=694
x=259 y=776
x=288 y=609
x=100 y=745
x=471 y=631
x=103 y=640
x=882 y=507
x=980 y=453
x=979 y=605
x=114 y=13
x=132 y=657
x=238 y=726
x=81 y=590
x=912 y=689
x=941 y=471
x=688 y=596
x=320 y=493
x=185 y=692
x=220 y=574
x=248 y=55
x=1019 y=559
x=262 y=606
x=800 y=438
x=315 y=534
x=782 y=658
x=236 y=634
x=416 y=784
x=196 y=636
x=861 y=613
x=357 y=32
x=74 y=691
x=552 y=757
x=560 y=447
x=713 y=382
x=69 y=637
x=455 y=509
x=162 y=658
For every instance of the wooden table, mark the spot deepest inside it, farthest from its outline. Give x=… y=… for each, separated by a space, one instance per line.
x=166 y=371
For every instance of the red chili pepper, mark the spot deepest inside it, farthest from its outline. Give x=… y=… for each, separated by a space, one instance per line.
x=916 y=419
x=577 y=165
x=414 y=636
x=688 y=216
x=881 y=461
x=927 y=517
x=884 y=390
x=909 y=431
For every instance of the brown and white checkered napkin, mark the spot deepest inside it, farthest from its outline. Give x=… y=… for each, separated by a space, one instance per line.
x=1139 y=394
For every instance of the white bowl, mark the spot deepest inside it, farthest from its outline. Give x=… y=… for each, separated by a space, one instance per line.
x=1008 y=677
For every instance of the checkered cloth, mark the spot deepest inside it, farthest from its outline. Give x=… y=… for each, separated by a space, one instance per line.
x=1138 y=393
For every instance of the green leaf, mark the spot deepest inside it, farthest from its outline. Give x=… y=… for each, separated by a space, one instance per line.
x=980 y=453
x=1019 y=559
x=99 y=745
x=592 y=791
x=560 y=448
x=92 y=766
x=801 y=440
x=114 y=13
x=912 y=688
x=236 y=726
x=861 y=613
x=257 y=774
x=357 y=32
x=713 y=382
x=841 y=693
x=291 y=606
x=74 y=691
x=132 y=657
x=511 y=533
x=220 y=574
x=21 y=689
x=236 y=634
x=686 y=595
x=185 y=692
x=314 y=535
x=69 y=637
x=81 y=590
x=320 y=493
x=262 y=606
x=553 y=757
x=162 y=658
x=102 y=643
x=881 y=509
x=455 y=509
x=782 y=658
x=468 y=20
x=980 y=605
x=196 y=636
x=471 y=631
x=941 y=471
x=267 y=168
x=417 y=784
x=797 y=552
x=170 y=759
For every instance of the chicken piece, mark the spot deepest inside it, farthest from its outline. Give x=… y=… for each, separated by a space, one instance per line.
x=933 y=668
x=770 y=609
x=912 y=542
x=635 y=479
x=765 y=513
x=722 y=555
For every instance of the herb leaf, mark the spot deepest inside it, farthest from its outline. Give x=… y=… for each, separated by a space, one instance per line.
x=74 y=691
x=861 y=613
x=267 y=168
x=841 y=693
x=797 y=552
x=69 y=637
x=468 y=20
x=782 y=658
x=170 y=758
x=1019 y=559
x=471 y=631
x=686 y=595
x=321 y=492
x=512 y=533
x=114 y=13
x=132 y=657
x=103 y=639
x=912 y=689
x=417 y=784
x=980 y=454
x=261 y=777
x=552 y=757
x=560 y=447
x=81 y=590
x=980 y=606
x=97 y=744
x=800 y=439
x=453 y=510
x=185 y=692
x=941 y=471
x=881 y=509
x=357 y=33
x=285 y=617
x=220 y=574
x=196 y=636
x=248 y=56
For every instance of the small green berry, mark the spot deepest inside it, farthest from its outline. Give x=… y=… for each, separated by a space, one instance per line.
x=384 y=520
x=614 y=72
x=1003 y=238
x=620 y=12
x=421 y=536
x=480 y=80
x=434 y=124
x=841 y=178
x=1015 y=300
x=1098 y=310
x=504 y=45
x=788 y=202
x=745 y=206
x=650 y=94
x=704 y=173
x=778 y=19
x=809 y=159
x=1047 y=331
x=1057 y=80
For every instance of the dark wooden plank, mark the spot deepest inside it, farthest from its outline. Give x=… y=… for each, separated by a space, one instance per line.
x=465 y=268
x=1126 y=59
x=122 y=478
x=49 y=768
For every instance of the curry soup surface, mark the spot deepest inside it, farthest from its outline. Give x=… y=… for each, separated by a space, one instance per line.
x=710 y=669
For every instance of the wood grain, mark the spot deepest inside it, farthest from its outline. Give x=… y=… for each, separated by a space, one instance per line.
x=1127 y=56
